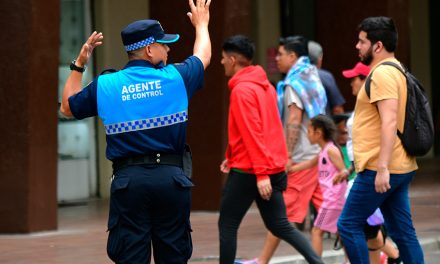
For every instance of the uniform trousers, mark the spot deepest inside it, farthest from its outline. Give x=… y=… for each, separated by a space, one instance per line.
x=150 y=209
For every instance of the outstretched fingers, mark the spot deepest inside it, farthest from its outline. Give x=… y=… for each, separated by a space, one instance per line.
x=95 y=39
x=199 y=6
x=203 y=3
x=191 y=4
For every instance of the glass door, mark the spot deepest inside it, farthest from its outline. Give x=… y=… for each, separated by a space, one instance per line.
x=77 y=177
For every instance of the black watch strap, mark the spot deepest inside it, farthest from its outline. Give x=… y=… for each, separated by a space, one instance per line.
x=73 y=67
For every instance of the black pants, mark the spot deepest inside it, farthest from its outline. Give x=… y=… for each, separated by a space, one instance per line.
x=238 y=194
x=150 y=208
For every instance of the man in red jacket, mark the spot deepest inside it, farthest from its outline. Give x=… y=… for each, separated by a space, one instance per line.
x=256 y=154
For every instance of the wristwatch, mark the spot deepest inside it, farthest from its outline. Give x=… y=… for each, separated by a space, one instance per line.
x=73 y=67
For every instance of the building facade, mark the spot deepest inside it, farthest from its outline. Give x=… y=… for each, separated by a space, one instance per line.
x=48 y=160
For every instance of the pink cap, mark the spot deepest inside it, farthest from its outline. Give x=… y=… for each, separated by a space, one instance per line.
x=359 y=69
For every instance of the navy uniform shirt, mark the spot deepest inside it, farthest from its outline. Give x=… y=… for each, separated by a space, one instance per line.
x=137 y=120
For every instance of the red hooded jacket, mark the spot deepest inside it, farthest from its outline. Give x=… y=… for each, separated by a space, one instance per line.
x=256 y=138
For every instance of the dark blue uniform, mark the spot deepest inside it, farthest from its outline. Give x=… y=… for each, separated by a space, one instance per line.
x=144 y=109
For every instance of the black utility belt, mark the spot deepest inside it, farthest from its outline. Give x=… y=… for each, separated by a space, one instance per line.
x=151 y=159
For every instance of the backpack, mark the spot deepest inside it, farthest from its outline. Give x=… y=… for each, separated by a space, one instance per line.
x=418 y=129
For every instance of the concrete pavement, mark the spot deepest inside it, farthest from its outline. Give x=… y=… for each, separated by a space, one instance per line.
x=425 y=205
x=81 y=235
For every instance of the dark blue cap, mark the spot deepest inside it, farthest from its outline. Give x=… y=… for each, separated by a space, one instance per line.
x=142 y=33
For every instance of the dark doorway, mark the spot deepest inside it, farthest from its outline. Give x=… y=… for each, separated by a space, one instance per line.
x=298 y=18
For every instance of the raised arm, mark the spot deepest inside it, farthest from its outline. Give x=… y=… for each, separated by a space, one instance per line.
x=199 y=17
x=73 y=82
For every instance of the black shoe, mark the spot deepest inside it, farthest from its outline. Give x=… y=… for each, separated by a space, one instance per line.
x=338 y=243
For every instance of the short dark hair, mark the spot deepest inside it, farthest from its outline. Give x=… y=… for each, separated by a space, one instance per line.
x=297 y=44
x=380 y=29
x=240 y=44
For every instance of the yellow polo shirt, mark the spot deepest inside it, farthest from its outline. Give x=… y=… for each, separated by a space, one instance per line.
x=387 y=83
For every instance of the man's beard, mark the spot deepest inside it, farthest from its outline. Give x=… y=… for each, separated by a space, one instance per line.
x=368 y=57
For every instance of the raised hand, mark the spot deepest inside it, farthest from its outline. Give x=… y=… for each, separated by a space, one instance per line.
x=199 y=17
x=93 y=41
x=199 y=14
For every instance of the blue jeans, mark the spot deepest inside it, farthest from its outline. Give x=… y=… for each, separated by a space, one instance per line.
x=363 y=201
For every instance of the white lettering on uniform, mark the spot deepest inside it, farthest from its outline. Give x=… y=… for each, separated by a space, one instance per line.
x=138 y=87
x=144 y=87
x=141 y=90
x=124 y=89
x=131 y=88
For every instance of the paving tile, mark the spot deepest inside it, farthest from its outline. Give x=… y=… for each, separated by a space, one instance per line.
x=81 y=236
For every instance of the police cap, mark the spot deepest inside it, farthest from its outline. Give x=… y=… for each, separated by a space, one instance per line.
x=142 y=33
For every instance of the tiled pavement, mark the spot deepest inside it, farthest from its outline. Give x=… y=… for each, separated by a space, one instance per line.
x=81 y=235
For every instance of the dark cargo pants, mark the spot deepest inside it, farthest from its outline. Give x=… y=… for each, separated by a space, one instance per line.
x=150 y=208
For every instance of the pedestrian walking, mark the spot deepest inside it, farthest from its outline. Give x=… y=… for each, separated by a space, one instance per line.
x=335 y=100
x=256 y=154
x=322 y=131
x=301 y=96
x=374 y=228
x=144 y=108
x=384 y=168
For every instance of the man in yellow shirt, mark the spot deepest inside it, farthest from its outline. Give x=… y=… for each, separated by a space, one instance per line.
x=384 y=169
